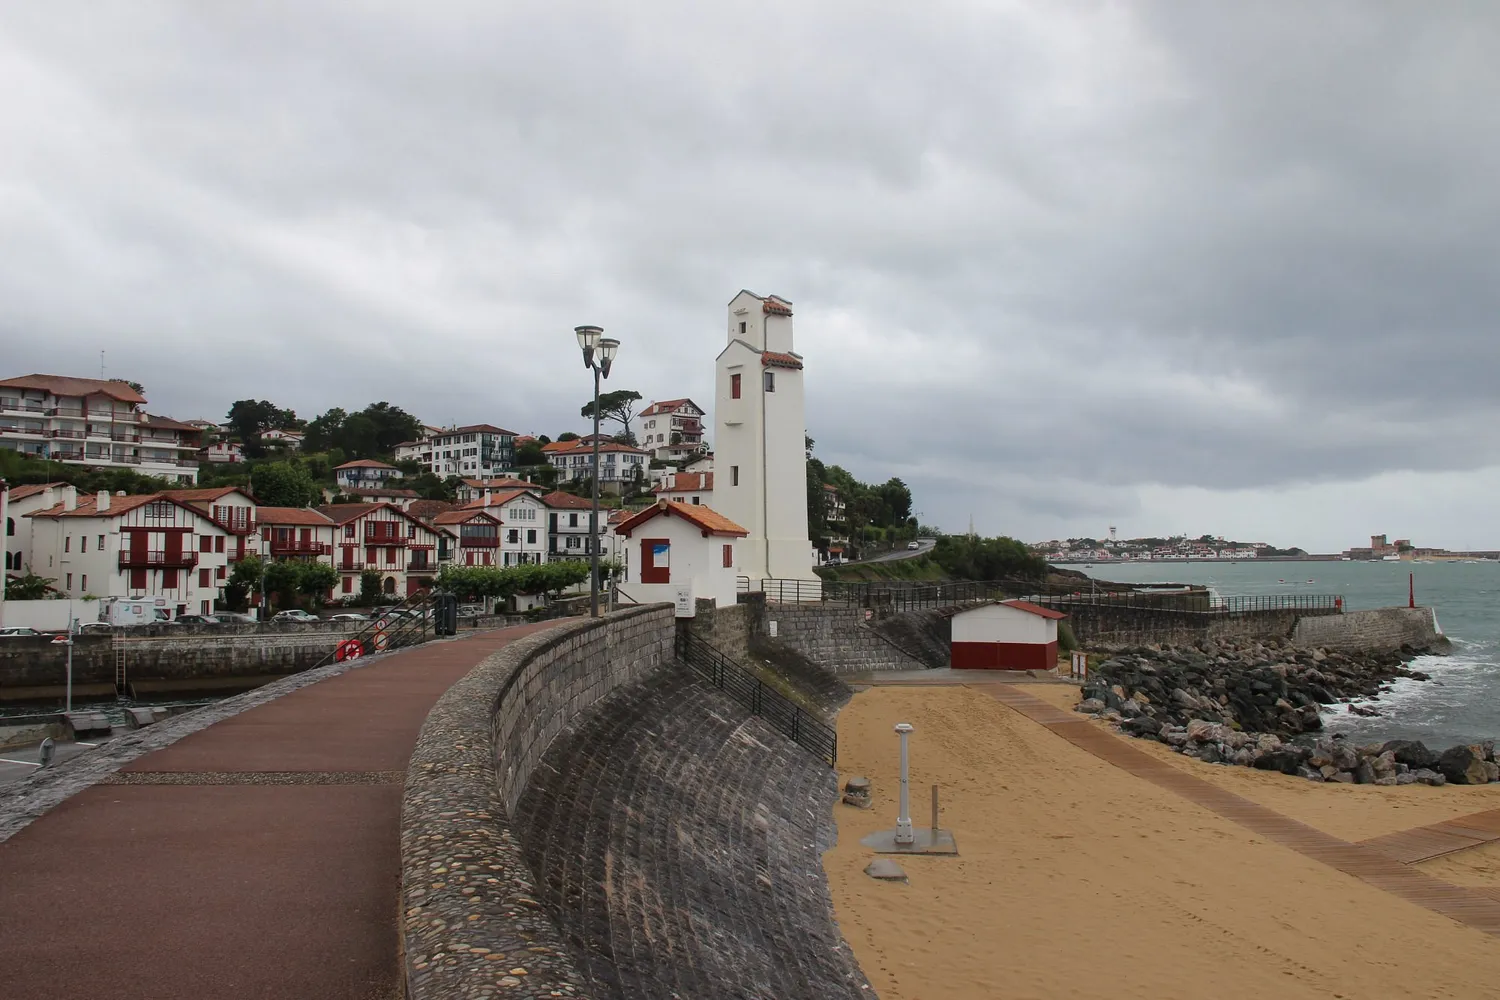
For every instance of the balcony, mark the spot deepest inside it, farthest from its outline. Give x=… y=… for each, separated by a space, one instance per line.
x=374 y=539
x=21 y=406
x=415 y=565
x=158 y=560
x=66 y=456
x=299 y=547
x=351 y=565
x=66 y=434
x=480 y=543
x=22 y=430
x=71 y=412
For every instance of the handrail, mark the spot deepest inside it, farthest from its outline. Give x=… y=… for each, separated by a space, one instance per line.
x=397 y=631
x=782 y=713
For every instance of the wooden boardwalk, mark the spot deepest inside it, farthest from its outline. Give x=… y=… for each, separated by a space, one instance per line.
x=1381 y=862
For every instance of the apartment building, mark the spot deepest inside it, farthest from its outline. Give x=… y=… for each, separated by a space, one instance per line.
x=383 y=538
x=568 y=526
x=295 y=533
x=95 y=422
x=365 y=473
x=474 y=451
x=672 y=429
x=620 y=466
x=109 y=545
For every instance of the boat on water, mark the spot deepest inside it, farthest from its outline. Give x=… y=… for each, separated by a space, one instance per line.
x=1390 y=558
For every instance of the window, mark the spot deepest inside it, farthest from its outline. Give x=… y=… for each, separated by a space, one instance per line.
x=83 y=582
x=10 y=526
x=70 y=581
x=348 y=531
x=83 y=543
x=411 y=531
x=697 y=501
x=734 y=475
x=734 y=386
x=206 y=543
x=218 y=543
x=221 y=572
x=573 y=520
x=656 y=560
x=204 y=578
x=742 y=326
x=729 y=557
x=68 y=546
x=530 y=536
x=770 y=381
x=513 y=536
x=348 y=584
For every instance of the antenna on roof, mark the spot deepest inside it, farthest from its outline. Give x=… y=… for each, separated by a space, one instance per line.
x=101 y=366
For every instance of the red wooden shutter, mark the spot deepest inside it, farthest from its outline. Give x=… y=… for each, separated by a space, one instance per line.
x=173 y=546
x=169 y=579
x=218 y=543
x=654 y=568
x=734 y=387
x=137 y=579
x=205 y=543
x=729 y=557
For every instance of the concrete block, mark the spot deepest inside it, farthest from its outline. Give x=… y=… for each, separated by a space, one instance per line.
x=140 y=717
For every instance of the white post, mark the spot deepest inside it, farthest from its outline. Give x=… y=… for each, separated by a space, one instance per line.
x=903 y=820
x=68 y=707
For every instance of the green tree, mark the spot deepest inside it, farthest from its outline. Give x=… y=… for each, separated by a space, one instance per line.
x=250 y=418
x=530 y=453
x=322 y=433
x=284 y=484
x=369 y=586
x=28 y=587
x=315 y=580
x=618 y=406
x=567 y=436
x=432 y=487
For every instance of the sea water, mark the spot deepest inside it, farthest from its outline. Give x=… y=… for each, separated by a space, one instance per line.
x=1460 y=704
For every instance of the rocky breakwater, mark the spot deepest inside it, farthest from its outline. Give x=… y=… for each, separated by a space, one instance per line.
x=1259 y=704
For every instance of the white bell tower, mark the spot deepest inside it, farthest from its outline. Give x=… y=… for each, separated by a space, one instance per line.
x=760 y=456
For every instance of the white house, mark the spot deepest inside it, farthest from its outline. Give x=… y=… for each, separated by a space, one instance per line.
x=473 y=489
x=222 y=452
x=524 y=536
x=674 y=545
x=672 y=429
x=468 y=537
x=365 y=472
x=474 y=450
x=295 y=533
x=94 y=422
x=383 y=538
x=568 y=526
x=230 y=508
x=1008 y=635
x=760 y=458
x=132 y=546
x=290 y=440
x=22 y=501
x=620 y=465
x=687 y=487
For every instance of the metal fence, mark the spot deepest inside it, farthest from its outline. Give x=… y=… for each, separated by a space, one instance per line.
x=406 y=624
x=744 y=687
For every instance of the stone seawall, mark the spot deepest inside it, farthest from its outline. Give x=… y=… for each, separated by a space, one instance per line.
x=1378 y=628
x=472 y=924
x=1115 y=625
x=36 y=668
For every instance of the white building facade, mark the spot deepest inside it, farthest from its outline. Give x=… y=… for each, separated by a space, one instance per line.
x=620 y=466
x=672 y=429
x=670 y=546
x=760 y=457
x=523 y=535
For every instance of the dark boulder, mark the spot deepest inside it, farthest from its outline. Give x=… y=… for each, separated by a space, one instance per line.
x=1462 y=766
x=1141 y=725
x=1413 y=753
x=1285 y=761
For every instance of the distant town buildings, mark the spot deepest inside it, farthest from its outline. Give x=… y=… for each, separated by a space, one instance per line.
x=672 y=429
x=1175 y=549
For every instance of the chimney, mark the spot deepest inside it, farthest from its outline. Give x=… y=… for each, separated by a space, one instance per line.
x=486 y=498
x=49 y=498
x=101 y=502
x=70 y=498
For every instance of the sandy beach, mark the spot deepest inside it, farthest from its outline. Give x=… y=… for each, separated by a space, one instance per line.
x=1076 y=879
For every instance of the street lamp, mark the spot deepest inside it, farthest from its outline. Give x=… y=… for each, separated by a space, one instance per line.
x=598 y=357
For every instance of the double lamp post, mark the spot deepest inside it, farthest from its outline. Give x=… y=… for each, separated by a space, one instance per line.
x=598 y=356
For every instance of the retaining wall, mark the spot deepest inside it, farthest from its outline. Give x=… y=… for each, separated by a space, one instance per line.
x=1106 y=624
x=471 y=918
x=836 y=638
x=1378 y=628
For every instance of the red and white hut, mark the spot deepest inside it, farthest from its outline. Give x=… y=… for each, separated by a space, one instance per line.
x=1006 y=635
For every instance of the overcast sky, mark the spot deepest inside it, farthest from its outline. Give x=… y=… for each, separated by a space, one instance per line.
x=1172 y=267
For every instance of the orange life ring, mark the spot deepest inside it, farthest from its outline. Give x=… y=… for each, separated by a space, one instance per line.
x=349 y=649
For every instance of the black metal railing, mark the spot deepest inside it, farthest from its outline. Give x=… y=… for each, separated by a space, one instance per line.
x=806 y=730
x=390 y=627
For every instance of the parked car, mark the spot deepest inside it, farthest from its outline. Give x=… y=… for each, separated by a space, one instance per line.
x=913 y=545
x=349 y=616
x=92 y=628
x=197 y=620
x=14 y=631
x=234 y=618
x=295 y=615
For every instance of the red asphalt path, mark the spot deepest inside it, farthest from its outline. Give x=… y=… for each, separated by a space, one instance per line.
x=278 y=885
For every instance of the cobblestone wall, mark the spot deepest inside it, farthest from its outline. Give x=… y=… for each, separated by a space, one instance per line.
x=1378 y=628
x=472 y=922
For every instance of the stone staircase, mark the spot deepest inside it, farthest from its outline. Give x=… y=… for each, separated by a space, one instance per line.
x=676 y=842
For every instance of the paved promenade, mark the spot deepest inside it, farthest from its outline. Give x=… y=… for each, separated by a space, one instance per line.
x=255 y=858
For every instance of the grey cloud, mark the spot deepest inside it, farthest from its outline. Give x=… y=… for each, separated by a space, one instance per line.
x=1071 y=250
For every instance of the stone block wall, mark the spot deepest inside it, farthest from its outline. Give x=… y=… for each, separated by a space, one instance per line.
x=836 y=637
x=472 y=923
x=1378 y=628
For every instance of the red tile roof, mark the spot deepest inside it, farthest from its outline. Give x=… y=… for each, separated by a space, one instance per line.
x=775 y=359
x=688 y=482
x=364 y=463
x=496 y=499
x=567 y=501
x=569 y=447
x=427 y=509
x=22 y=492
x=64 y=385
x=503 y=483
x=206 y=493
x=706 y=518
x=463 y=516
x=830 y=487
x=668 y=406
x=776 y=306
x=381 y=491
x=554 y=446
x=1034 y=609
x=88 y=506
x=303 y=516
x=167 y=423
x=343 y=513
